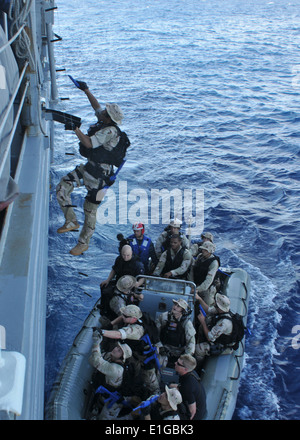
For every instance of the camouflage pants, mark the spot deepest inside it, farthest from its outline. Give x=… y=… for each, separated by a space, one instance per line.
x=112 y=413
x=116 y=303
x=208 y=295
x=64 y=189
x=204 y=349
x=151 y=381
x=201 y=351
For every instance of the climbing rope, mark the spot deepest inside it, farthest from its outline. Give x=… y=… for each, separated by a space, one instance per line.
x=18 y=14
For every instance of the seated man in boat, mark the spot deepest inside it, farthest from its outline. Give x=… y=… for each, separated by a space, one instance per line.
x=190 y=387
x=176 y=333
x=124 y=294
x=205 y=236
x=112 y=366
x=174 y=262
x=142 y=246
x=125 y=264
x=99 y=147
x=162 y=407
x=203 y=272
x=163 y=241
x=215 y=330
x=132 y=327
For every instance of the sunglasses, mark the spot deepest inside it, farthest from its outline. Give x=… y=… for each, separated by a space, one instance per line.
x=179 y=364
x=126 y=316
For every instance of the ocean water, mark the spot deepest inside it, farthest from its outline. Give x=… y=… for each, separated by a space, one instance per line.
x=210 y=94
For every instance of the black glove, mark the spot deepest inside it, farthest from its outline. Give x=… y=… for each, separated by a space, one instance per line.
x=163 y=351
x=82 y=85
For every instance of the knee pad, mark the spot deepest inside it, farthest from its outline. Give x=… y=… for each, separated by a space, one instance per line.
x=92 y=195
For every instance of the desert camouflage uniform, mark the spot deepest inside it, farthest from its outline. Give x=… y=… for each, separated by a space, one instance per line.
x=181 y=270
x=206 y=289
x=113 y=377
x=224 y=326
x=113 y=372
x=136 y=332
x=190 y=332
x=120 y=300
x=108 y=137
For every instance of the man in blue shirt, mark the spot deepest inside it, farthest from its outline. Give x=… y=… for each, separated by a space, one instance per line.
x=143 y=247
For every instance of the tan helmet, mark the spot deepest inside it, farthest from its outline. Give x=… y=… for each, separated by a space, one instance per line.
x=208 y=235
x=210 y=247
x=176 y=223
x=174 y=397
x=132 y=311
x=127 y=353
x=114 y=112
x=182 y=303
x=223 y=302
x=126 y=283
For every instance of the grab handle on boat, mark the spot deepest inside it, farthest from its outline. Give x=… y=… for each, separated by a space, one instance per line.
x=243 y=350
x=239 y=368
x=245 y=299
x=246 y=290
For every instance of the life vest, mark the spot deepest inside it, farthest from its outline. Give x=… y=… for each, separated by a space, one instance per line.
x=238 y=329
x=132 y=383
x=132 y=267
x=102 y=155
x=141 y=250
x=173 y=333
x=174 y=263
x=140 y=348
x=201 y=269
x=100 y=378
x=222 y=339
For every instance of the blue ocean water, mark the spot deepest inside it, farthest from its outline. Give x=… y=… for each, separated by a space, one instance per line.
x=210 y=93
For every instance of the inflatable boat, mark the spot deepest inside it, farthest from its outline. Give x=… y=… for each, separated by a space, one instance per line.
x=71 y=392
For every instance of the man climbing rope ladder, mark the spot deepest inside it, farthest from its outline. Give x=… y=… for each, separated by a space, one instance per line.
x=105 y=147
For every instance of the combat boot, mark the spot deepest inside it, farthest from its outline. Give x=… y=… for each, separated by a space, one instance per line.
x=68 y=226
x=79 y=249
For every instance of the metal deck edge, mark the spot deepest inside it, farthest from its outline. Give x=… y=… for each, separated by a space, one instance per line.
x=23 y=272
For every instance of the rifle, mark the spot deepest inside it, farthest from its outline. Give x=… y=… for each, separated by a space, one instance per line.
x=152 y=350
x=101 y=193
x=202 y=310
x=147 y=402
x=113 y=398
x=114 y=176
x=70 y=121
